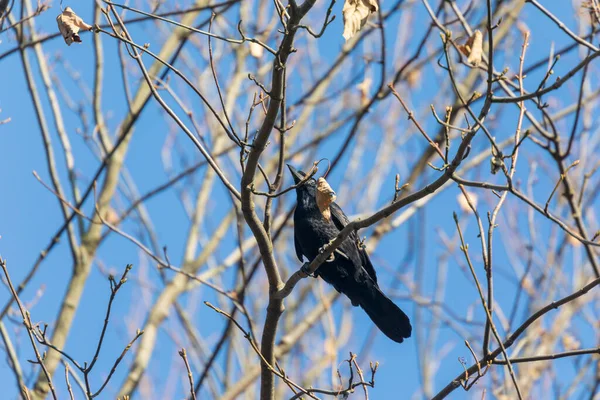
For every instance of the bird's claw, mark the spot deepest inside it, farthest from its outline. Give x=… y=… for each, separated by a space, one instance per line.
x=323 y=248
x=361 y=243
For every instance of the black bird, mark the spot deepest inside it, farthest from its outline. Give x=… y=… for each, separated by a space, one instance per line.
x=349 y=270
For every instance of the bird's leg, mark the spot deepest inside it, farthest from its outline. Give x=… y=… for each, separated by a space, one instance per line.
x=323 y=248
x=361 y=243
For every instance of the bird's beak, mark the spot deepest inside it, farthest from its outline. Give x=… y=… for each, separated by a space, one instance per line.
x=295 y=174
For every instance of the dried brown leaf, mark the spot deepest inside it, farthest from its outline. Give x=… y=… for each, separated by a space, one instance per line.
x=466 y=50
x=325 y=196
x=356 y=13
x=69 y=25
x=476 y=49
x=473 y=48
x=464 y=204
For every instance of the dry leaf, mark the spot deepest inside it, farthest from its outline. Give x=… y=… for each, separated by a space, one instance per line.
x=573 y=241
x=473 y=48
x=325 y=196
x=463 y=204
x=69 y=25
x=465 y=49
x=528 y=286
x=476 y=49
x=413 y=78
x=256 y=50
x=364 y=87
x=593 y=9
x=111 y=216
x=356 y=13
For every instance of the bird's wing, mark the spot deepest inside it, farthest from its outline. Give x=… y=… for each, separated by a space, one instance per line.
x=367 y=264
x=298 y=248
x=338 y=217
x=340 y=220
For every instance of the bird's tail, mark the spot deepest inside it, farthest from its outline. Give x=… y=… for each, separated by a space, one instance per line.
x=388 y=317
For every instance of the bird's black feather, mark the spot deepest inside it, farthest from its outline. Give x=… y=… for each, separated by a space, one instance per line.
x=340 y=220
x=350 y=271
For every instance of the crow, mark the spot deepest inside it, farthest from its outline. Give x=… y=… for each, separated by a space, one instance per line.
x=349 y=269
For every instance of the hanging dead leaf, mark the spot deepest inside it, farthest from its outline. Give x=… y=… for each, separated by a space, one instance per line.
x=464 y=204
x=495 y=165
x=528 y=286
x=573 y=241
x=496 y=162
x=356 y=13
x=593 y=8
x=465 y=48
x=473 y=48
x=325 y=196
x=111 y=216
x=256 y=50
x=69 y=25
x=413 y=78
x=364 y=87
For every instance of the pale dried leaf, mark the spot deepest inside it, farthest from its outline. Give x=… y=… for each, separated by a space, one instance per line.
x=256 y=50
x=69 y=25
x=356 y=13
x=473 y=48
x=325 y=196
x=476 y=49
x=573 y=241
x=413 y=78
x=111 y=216
x=364 y=87
x=495 y=165
x=464 y=204
x=593 y=9
x=528 y=286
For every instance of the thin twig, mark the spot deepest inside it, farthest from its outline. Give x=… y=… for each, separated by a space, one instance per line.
x=29 y=327
x=183 y=355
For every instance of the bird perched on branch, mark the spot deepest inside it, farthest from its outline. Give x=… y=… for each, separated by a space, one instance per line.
x=349 y=269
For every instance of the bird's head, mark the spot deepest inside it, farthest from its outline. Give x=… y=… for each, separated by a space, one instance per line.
x=306 y=191
x=299 y=176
